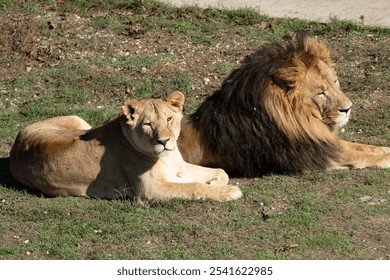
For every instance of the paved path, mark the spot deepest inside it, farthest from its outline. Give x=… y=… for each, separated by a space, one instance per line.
x=375 y=12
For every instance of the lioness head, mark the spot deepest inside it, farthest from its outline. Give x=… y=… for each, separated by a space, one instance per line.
x=154 y=124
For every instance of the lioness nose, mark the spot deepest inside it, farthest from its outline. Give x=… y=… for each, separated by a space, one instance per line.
x=163 y=141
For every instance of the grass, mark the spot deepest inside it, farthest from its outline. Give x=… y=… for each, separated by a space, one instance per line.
x=96 y=54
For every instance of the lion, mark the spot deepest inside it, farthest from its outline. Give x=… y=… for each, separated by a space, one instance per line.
x=134 y=155
x=279 y=112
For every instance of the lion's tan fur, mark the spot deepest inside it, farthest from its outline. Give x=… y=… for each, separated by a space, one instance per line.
x=131 y=156
x=280 y=111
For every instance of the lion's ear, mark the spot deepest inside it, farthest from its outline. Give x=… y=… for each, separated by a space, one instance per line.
x=176 y=99
x=286 y=78
x=131 y=109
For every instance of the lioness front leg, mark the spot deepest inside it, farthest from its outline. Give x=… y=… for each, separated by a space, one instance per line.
x=169 y=190
x=364 y=147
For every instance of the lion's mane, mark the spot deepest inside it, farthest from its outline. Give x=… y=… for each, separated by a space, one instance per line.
x=250 y=125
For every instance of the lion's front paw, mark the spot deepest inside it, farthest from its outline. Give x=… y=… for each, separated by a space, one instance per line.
x=386 y=163
x=386 y=150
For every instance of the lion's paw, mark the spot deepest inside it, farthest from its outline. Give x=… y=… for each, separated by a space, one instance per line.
x=380 y=150
x=386 y=163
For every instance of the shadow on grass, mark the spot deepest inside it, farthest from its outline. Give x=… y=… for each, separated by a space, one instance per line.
x=7 y=181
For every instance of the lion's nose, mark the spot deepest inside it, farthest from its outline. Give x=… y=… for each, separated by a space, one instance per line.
x=162 y=141
x=344 y=110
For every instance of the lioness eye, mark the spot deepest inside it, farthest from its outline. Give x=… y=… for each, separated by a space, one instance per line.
x=169 y=119
x=322 y=93
x=147 y=124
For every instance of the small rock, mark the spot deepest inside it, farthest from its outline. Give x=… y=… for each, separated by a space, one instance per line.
x=379 y=201
x=365 y=198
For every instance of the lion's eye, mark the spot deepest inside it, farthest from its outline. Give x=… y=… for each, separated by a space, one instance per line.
x=322 y=93
x=169 y=119
x=147 y=124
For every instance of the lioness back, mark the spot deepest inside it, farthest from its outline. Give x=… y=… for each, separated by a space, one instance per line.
x=44 y=151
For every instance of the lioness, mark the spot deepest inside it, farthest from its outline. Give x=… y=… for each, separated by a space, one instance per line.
x=131 y=156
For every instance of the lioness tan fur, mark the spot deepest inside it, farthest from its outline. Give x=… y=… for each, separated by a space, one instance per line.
x=279 y=112
x=131 y=156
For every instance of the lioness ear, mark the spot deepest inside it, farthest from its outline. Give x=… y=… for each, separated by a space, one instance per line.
x=131 y=109
x=176 y=99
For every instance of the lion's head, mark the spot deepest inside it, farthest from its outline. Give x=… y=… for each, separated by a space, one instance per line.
x=153 y=125
x=303 y=94
x=278 y=112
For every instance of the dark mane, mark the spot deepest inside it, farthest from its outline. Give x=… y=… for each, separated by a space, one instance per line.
x=240 y=129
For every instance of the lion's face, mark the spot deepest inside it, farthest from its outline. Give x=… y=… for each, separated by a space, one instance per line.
x=324 y=96
x=308 y=94
x=154 y=125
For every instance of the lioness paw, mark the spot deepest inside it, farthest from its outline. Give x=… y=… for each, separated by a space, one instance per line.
x=220 y=178
x=232 y=193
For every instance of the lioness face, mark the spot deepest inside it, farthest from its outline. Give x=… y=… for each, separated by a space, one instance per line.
x=154 y=125
x=159 y=127
x=325 y=97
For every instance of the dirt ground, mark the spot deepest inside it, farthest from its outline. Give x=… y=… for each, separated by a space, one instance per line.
x=369 y=12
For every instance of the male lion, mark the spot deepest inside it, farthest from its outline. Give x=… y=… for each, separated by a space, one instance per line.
x=133 y=155
x=279 y=112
